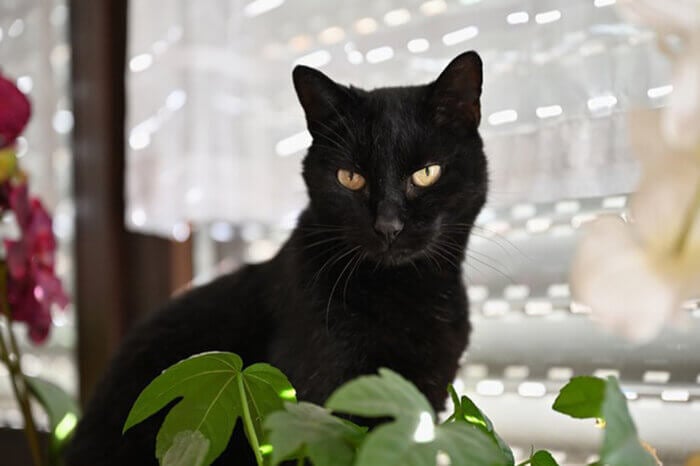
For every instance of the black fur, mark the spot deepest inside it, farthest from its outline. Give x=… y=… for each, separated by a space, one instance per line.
x=339 y=299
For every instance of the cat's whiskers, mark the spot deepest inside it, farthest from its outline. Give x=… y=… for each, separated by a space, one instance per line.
x=330 y=297
x=346 y=145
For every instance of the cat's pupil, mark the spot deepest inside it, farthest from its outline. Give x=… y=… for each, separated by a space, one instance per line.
x=427 y=171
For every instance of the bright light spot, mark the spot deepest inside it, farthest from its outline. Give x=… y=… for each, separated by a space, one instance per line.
x=60 y=55
x=366 y=25
x=397 y=17
x=25 y=84
x=300 y=42
x=331 y=35
x=526 y=210
x=538 y=308
x=458 y=385
x=31 y=365
x=656 y=377
x=139 y=139
x=532 y=389
x=495 y=307
x=260 y=251
x=518 y=17
x=181 y=232
x=549 y=111
x=548 y=16
x=602 y=3
x=425 y=432
x=460 y=35
x=293 y=144
x=469 y=2
x=503 y=117
x=490 y=388
x=478 y=292
x=140 y=62
x=559 y=290
x=516 y=292
x=16 y=28
x=221 y=232
x=1 y=34
x=176 y=99
x=579 y=308
x=193 y=195
x=538 y=224
x=614 y=202
x=433 y=7
x=630 y=395
x=661 y=91
x=315 y=59
x=379 y=54
x=66 y=426
x=516 y=372
x=63 y=121
x=418 y=45
x=288 y=394
x=355 y=57
x=258 y=7
x=38 y=293
x=138 y=217
x=266 y=449
x=560 y=373
x=603 y=102
x=252 y=231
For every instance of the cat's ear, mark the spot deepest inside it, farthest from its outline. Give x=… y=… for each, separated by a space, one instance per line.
x=456 y=93
x=320 y=96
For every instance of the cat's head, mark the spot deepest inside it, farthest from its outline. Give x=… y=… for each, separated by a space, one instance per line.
x=397 y=171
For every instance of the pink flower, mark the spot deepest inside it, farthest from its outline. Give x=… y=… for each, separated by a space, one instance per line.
x=33 y=288
x=15 y=111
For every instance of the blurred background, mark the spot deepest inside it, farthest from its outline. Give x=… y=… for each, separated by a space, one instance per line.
x=167 y=140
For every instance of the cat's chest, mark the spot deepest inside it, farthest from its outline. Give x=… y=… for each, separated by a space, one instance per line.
x=417 y=332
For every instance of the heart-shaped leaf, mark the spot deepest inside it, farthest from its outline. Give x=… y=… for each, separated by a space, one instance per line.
x=543 y=458
x=307 y=430
x=466 y=411
x=581 y=398
x=214 y=393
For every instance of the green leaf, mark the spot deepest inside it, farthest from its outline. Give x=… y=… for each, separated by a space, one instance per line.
x=412 y=439
x=543 y=458
x=581 y=398
x=62 y=410
x=466 y=411
x=214 y=392
x=305 y=429
x=188 y=449
x=621 y=445
x=395 y=445
x=386 y=394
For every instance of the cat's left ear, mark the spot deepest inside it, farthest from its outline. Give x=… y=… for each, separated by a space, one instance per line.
x=320 y=96
x=456 y=93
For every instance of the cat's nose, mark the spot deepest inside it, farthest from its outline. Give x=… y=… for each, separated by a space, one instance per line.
x=388 y=226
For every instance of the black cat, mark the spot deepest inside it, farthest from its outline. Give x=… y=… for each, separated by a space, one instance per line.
x=371 y=276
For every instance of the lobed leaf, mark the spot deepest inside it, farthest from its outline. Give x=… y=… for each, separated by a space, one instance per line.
x=212 y=389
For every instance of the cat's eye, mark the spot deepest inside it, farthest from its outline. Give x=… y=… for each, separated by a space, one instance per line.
x=426 y=176
x=351 y=180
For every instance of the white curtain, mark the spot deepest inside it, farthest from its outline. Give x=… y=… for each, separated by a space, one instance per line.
x=215 y=132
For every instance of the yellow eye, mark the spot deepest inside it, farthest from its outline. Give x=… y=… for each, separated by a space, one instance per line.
x=426 y=176
x=351 y=180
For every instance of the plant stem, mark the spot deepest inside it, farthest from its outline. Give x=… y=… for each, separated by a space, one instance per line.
x=248 y=423
x=527 y=461
x=688 y=223
x=18 y=382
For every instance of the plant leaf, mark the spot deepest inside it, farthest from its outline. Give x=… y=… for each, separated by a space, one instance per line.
x=62 y=410
x=621 y=445
x=543 y=458
x=188 y=449
x=581 y=398
x=386 y=394
x=395 y=445
x=210 y=400
x=466 y=411
x=305 y=429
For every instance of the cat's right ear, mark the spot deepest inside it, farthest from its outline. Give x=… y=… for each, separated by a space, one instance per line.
x=320 y=96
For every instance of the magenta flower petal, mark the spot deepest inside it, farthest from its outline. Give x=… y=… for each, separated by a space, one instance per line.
x=14 y=112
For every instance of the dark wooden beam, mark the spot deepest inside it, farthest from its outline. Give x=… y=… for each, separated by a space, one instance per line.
x=120 y=275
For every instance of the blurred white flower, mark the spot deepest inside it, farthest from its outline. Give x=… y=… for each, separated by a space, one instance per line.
x=677 y=23
x=635 y=275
